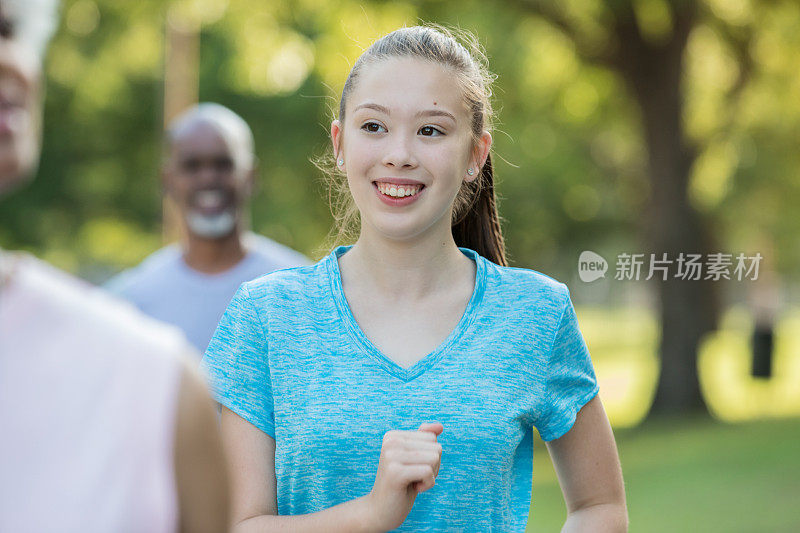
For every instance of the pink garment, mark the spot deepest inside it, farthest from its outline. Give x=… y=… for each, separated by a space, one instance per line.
x=88 y=391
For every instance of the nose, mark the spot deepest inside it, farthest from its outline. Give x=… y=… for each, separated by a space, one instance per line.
x=210 y=174
x=399 y=152
x=206 y=176
x=19 y=69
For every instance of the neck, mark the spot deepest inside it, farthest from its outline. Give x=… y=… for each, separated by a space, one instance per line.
x=211 y=256
x=405 y=269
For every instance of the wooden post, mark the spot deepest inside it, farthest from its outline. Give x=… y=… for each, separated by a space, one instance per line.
x=181 y=81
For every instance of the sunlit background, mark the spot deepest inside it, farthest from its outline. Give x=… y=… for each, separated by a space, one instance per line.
x=573 y=175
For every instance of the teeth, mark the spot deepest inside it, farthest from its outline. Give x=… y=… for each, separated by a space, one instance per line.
x=397 y=191
x=209 y=199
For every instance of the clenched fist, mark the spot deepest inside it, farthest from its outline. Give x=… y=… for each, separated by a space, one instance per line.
x=408 y=465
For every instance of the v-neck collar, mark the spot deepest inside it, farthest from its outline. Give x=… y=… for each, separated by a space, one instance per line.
x=362 y=341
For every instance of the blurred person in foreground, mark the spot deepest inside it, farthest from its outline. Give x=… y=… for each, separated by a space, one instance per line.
x=105 y=425
x=209 y=171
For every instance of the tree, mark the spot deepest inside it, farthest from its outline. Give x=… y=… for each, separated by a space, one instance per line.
x=645 y=44
x=682 y=114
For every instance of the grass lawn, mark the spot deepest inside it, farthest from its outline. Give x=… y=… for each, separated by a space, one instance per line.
x=695 y=475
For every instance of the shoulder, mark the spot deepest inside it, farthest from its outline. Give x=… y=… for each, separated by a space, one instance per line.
x=152 y=267
x=274 y=254
x=289 y=283
x=287 y=290
x=526 y=287
x=91 y=316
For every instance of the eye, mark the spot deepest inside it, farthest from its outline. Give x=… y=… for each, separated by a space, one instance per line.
x=430 y=131
x=190 y=165
x=223 y=164
x=6 y=27
x=373 y=127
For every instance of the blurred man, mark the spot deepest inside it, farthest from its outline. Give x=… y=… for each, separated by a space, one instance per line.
x=104 y=423
x=209 y=172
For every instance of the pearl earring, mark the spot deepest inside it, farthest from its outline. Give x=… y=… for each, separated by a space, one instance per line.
x=470 y=171
x=341 y=162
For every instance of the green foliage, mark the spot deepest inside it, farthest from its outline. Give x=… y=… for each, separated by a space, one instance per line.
x=570 y=162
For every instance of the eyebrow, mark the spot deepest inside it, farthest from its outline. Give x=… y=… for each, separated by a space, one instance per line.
x=423 y=113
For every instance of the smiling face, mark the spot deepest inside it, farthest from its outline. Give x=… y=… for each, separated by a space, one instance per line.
x=20 y=106
x=207 y=180
x=406 y=144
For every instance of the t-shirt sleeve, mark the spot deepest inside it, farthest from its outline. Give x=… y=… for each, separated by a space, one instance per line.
x=236 y=364
x=570 y=381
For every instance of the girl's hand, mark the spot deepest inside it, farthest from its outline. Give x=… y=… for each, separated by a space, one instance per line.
x=408 y=465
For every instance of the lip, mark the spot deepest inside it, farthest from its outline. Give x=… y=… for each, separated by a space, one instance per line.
x=12 y=119
x=11 y=98
x=398 y=181
x=397 y=202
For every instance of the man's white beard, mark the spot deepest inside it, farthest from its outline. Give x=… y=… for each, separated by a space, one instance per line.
x=211 y=226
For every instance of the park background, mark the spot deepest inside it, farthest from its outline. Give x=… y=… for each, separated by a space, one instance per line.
x=640 y=126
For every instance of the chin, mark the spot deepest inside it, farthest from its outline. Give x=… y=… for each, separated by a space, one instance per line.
x=402 y=231
x=212 y=227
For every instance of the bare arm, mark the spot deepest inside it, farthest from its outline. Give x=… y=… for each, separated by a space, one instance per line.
x=200 y=476
x=588 y=469
x=251 y=462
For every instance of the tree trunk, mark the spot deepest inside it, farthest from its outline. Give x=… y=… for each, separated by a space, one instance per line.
x=653 y=71
x=689 y=308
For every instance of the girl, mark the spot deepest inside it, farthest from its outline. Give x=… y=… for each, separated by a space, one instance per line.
x=395 y=383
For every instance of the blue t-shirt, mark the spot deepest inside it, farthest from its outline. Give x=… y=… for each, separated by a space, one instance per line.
x=289 y=357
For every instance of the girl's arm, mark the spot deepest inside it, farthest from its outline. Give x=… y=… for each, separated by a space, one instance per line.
x=588 y=469
x=254 y=507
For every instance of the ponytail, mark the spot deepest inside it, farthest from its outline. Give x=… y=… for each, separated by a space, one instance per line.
x=477 y=225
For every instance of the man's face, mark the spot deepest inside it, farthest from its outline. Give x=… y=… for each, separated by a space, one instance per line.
x=20 y=106
x=208 y=180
